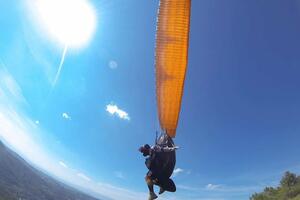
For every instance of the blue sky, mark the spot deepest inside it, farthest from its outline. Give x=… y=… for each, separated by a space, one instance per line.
x=240 y=121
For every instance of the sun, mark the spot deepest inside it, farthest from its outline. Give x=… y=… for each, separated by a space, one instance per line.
x=71 y=22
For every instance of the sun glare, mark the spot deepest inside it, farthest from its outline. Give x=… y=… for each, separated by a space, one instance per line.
x=71 y=22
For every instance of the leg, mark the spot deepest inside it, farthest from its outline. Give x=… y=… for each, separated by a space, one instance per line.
x=150 y=184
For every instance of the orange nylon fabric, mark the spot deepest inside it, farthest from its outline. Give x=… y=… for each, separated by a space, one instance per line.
x=172 y=40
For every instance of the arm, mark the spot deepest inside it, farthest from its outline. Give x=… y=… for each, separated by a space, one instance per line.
x=169 y=149
x=157 y=148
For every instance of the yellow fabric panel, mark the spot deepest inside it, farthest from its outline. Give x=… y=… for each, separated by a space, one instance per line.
x=172 y=39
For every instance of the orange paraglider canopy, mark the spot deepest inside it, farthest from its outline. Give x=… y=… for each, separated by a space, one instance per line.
x=171 y=60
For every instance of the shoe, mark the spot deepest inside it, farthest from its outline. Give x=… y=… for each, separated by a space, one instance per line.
x=161 y=190
x=152 y=196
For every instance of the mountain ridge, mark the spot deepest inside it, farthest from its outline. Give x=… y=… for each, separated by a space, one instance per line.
x=20 y=180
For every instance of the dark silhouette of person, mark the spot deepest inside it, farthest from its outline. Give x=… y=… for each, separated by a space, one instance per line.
x=161 y=162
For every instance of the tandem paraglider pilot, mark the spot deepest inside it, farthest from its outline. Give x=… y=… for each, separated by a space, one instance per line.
x=160 y=161
x=171 y=57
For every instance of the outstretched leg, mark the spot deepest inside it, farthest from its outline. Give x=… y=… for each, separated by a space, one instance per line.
x=150 y=184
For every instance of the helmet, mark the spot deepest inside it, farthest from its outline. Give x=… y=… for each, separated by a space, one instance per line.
x=145 y=149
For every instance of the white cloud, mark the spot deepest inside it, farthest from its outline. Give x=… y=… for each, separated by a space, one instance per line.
x=66 y=116
x=9 y=89
x=220 y=191
x=11 y=85
x=114 y=110
x=212 y=186
x=83 y=176
x=37 y=122
x=119 y=174
x=113 y=64
x=186 y=187
x=116 y=193
x=177 y=171
x=239 y=189
x=63 y=164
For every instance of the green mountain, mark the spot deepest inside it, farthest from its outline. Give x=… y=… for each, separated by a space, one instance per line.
x=20 y=181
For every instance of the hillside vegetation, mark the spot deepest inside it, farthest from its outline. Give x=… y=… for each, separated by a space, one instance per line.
x=289 y=189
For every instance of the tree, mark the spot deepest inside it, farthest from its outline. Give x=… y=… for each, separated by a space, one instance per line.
x=289 y=189
x=288 y=180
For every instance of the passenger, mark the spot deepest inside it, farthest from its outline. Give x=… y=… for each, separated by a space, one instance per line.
x=154 y=164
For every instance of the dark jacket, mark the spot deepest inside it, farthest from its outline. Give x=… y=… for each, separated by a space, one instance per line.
x=161 y=161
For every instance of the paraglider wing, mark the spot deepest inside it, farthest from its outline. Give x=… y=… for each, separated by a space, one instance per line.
x=171 y=60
